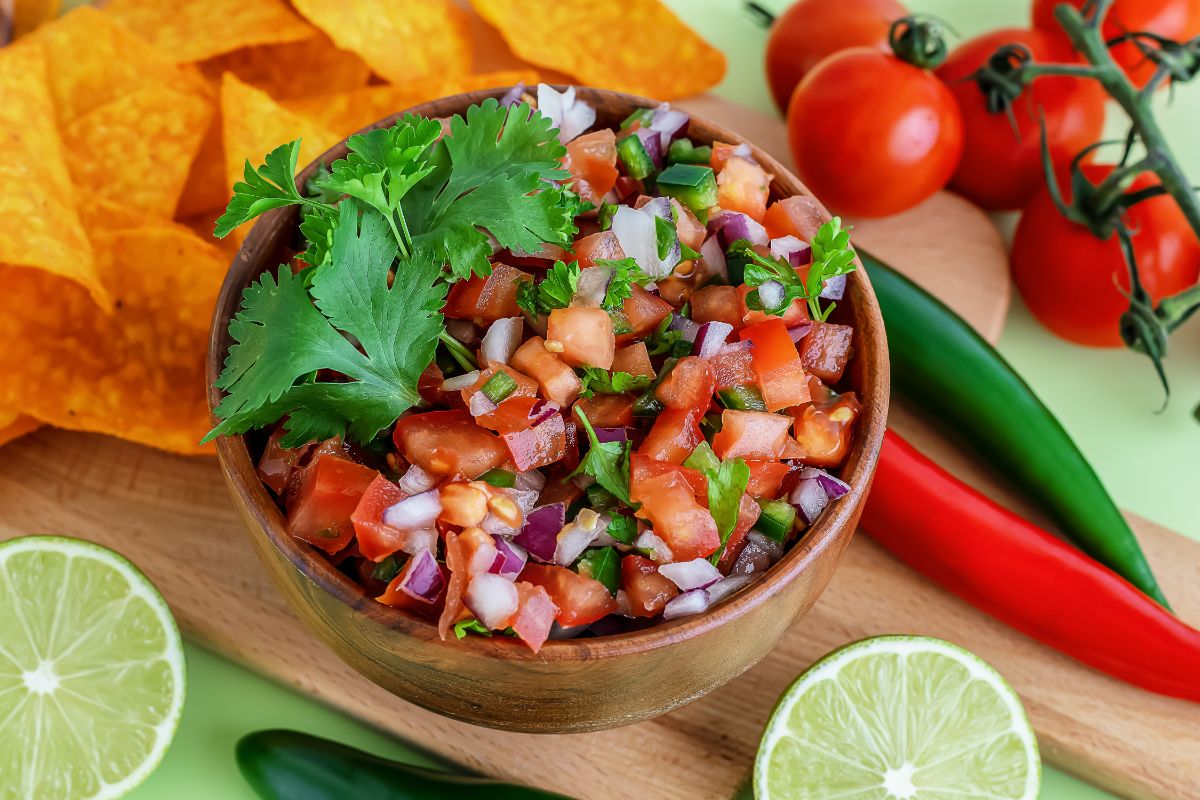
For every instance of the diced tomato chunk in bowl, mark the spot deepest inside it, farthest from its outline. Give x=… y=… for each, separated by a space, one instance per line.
x=577 y=440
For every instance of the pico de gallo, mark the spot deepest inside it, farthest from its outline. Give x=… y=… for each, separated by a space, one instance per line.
x=623 y=424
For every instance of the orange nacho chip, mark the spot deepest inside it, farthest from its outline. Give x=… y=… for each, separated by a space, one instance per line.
x=14 y=426
x=205 y=188
x=39 y=221
x=636 y=46
x=297 y=69
x=193 y=30
x=29 y=14
x=138 y=372
x=400 y=39
x=138 y=149
x=348 y=112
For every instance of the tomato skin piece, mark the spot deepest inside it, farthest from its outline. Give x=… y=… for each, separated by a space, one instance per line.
x=634 y=359
x=689 y=384
x=377 y=541
x=456 y=564
x=557 y=381
x=765 y=477
x=607 y=410
x=799 y=215
x=871 y=135
x=320 y=512
x=751 y=434
x=580 y=600
x=647 y=591
x=686 y=526
x=777 y=365
x=644 y=312
x=1001 y=168
x=586 y=336
x=602 y=246
x=1069 y=279
x=449 y=443
x=674 y=435
x=592 y=160
x=642 y=468
x=733 y=369
x=825 y=350
x=743 y=186
x=535 y=615
x=808 y=31
x=485 y=300
x=538 y=446
x=717 y=304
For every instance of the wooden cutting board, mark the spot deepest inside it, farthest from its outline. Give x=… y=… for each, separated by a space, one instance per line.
x=171 y=516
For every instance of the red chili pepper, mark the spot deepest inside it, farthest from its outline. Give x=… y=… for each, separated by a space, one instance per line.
x=1024 y=576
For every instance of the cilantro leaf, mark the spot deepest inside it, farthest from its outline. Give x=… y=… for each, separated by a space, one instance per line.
x=527 y=298
x=314 y=190
x=599 y=380
x=281 y=338
x=555 y=290
x=607 y=462
x=472 y=625
x=663 y=341
x=626 y=273
x=726 y=485
x=831 y=254
x=272 y=185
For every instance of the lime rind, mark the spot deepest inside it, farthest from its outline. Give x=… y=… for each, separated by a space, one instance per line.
x=110 y=634
x=835 y=733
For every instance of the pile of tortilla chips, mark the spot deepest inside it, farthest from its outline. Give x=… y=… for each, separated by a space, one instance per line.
x=122 y=129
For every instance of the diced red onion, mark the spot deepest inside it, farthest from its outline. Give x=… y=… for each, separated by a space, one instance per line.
x=575 y=537
x=419 y=511
x=539 y=536
x=418 y=540
x=658 y=549
x=687 y=575
x=416 y=480
x=541 y=411
x=567 y=113
x=834 y=487
x=686 y=604
x=492 y=598
x=727 y=586
x=714 y=257
x=791 y=250
x=809 y=498
x=604 y=540
x=710 y=338
x=480 y=404
x=463 y=330
x=800 y=331
x=733 y=225
x=423 y=580
x=510 y=558
x=772 y=548
x=670 y=123
x=502 y=339
x=513 y=96
x=660 y=207
x=757 y=555
x=593 y=286
x=530 y=481
x=637 y=233
x=771 y=293
x=460 y=382
x=834 y=288
x=652 y=144
x=612 y=435
x=688 y=327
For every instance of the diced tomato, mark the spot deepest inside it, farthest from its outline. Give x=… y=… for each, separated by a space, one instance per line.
x=751 y=434
x=510 y=415
x=560 y=490
x=674 y=289
x=733 y=369
x=691 y=232
x=526 y=386
x=633 y=359
x=571 y=459
x=792 y=449
x=795 y=314
x=557 y=381
x=580 y=600
x=393 y=596
x=607 y=410
x=765 y=477
x=585 y=335
x=602 y=246
x=538 y=446
x=429 y=386
x=686 y=526
x=486 y=300
x=717 y=304
x=824 y=434
x=453 y=610
x=478 y=549
x=377 y=541
x=825 y=350
x=535 y=615
x=449 y=443
x=674 y=436
x=748 y=512
x=800 y=216
x=647 y=591
x=592 y=161
x=777 y=364
x=743 y=186
x=643 y=311
x=277 y=464
x=721 y=153
x=689 y=384
x=643 y=468
x=320 y=512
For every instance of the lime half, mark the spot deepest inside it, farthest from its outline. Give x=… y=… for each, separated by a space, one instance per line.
x=898 y=718
x=91 y=671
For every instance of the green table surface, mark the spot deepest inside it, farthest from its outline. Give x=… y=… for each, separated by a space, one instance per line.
x=1107 y=399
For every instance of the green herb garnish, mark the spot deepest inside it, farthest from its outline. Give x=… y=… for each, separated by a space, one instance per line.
x=626 y=273
x=607 y=462
x=498 y=387
x=500 y=478
x=465 y=626
x=726 y=485
x=554 y=291
x=831 y=254
x=601 y=564
x=599 y=380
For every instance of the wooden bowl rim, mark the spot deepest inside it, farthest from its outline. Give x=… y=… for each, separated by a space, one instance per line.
x=240 y=470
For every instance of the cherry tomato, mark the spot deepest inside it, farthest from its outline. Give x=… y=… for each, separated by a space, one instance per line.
x=1069 y=278
x=1173 y=19
x=810 y=30
x=872 y=135
x=1001 y=167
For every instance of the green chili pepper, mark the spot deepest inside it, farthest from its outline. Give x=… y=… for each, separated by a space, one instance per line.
x=288 y=765
x=949 y=370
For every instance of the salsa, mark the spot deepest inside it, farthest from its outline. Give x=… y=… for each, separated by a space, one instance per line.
x=619 y=426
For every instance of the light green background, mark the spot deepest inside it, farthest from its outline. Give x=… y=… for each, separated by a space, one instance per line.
x=1106 y=398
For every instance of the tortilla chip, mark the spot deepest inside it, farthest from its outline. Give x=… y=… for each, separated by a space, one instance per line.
x=348 y=112
x=254 y=125
x=14 y=426
x=39 y=221
x=30 y=14
x=203 y=225
x=138 y=150
x=636 y=46
x=137 y=373
x=193 y=30
x=297 y=69
x=400 y=39
x=205 y=188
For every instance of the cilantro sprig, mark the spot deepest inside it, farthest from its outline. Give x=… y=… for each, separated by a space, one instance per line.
x=607 y=462
x=626 y=273
x=727 y=482
x=554 y=291
x=595 y=380
x=831 y=256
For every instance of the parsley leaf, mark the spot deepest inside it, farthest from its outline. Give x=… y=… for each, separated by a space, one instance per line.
x=607 y=462
x=272 y=185
x=832 y=256
x=599 y=380
x=555 y=290
x=626 y=273
x=281 y=338
x=314 y=190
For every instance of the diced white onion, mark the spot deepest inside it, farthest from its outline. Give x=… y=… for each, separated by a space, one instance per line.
x=416 y=480
x=686 y=604
x=727 y=586
x=575 y=537
x=492 y=598
x=502 y=339
x=419 y=511
x=659 y=550
x=460 y=382
x=771 y=294
x=695 y=574
x=567 y=113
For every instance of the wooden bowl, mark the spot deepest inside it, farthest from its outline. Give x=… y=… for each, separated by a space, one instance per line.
x=571 y=685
